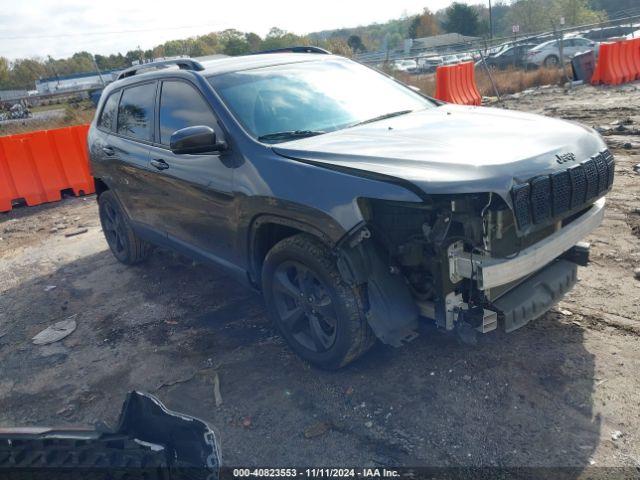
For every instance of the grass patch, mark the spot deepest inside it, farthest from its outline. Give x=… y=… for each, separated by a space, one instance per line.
x=507 y=81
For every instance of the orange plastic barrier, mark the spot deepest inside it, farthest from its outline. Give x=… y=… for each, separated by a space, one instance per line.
x=634 y=54
x=457 y=84
x=36 y=166
x=618 y=62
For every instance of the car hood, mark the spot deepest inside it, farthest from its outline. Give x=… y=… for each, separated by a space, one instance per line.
x=452 y=148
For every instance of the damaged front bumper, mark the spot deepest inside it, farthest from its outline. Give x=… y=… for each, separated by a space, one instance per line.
x=491 y=272
x=536 y=295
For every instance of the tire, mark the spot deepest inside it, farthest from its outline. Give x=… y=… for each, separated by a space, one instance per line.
x=319 y=315
x=551 y=61
x=125 y=245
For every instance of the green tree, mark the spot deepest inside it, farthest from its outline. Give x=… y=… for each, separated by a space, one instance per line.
x=355 y=43
x=338 y=46
x=612 y=7
x=278 y=38
x=577 y=12
x=461 y=19
x=254 y=41
x=413 y=27
x=25 y=71
x=426 y=25
x=136 y=54
x=531 y=15
x=4 y=72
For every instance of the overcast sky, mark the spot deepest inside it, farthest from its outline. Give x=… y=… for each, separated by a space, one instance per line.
x=37 y=28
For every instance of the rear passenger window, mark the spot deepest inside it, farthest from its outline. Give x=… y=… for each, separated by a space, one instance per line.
x=107 y=118
x=181 y=106
x=135 y=113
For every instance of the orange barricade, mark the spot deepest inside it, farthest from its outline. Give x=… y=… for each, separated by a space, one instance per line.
x=634 y=53
x=36 y=166
x=627 y=75
x=457 y=84
x=618 y=62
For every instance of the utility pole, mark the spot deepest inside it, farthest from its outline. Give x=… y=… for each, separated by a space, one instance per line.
x=490 y=21
x=95 y=64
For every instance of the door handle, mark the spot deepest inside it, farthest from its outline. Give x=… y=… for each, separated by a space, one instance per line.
x=159 y=164
x=108 y=151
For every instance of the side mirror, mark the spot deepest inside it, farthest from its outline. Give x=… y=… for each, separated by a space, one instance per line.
x=198 y=139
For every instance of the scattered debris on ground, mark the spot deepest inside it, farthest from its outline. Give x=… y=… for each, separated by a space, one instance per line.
x=55 y=332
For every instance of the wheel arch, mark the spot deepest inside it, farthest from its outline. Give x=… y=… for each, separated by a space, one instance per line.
x=100 y=186
x=267 y=230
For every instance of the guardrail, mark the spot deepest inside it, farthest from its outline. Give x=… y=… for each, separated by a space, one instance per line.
x=37 y=166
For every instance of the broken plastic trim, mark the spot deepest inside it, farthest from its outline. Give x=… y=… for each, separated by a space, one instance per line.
x=149 y=442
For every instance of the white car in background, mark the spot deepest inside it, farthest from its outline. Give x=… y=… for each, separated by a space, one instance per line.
x=547 y=54
x=429 y=64
x=409 y=66
x=450 y=60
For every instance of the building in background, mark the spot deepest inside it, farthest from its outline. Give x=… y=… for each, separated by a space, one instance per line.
x=74 y=82
x=6 y=95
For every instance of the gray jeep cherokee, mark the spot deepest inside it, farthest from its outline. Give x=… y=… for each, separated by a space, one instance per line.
x=355 y=204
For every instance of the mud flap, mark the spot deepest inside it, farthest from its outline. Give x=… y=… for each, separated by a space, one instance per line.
x=534 y=297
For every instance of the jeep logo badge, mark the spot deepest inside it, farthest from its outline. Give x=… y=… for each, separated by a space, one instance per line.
x=565 y=158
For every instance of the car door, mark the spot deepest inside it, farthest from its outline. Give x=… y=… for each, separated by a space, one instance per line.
x=520 y=55
x=128 y=148
x=192 y=193
x=507 y=59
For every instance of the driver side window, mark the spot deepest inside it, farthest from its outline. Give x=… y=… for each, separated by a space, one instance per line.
x=181 y=106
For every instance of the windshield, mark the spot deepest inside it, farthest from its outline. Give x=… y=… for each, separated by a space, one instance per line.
x=311 y=97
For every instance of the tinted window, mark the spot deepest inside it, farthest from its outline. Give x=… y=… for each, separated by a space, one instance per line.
x=135 y=113
x=108 y=116
x=182 y=106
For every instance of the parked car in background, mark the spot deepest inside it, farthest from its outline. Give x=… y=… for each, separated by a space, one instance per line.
x=429 y=64
x=450 y=60
x=409 y=66
x=465 y=57
x=510 y=57
x=633 y=35
x=547 y=54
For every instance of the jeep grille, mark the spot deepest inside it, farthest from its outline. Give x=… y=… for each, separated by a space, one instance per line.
x=548 y=196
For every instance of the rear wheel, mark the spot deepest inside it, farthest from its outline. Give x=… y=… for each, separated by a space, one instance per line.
x=551 y=61
x=125 y=245
x=321 y=317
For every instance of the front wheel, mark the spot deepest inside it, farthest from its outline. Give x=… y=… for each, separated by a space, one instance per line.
x=321 y=317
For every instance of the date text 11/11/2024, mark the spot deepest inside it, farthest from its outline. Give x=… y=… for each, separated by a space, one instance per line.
x=314 y=473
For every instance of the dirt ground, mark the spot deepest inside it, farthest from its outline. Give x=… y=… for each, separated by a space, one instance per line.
x=563 y=391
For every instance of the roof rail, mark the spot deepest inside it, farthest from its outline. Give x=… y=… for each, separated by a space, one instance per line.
x=182 y=63
x=296 y=49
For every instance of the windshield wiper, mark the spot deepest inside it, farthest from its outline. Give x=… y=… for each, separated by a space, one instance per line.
x=287 y=135
x=382 y=117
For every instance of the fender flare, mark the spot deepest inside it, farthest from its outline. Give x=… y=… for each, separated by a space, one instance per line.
x=264 y=219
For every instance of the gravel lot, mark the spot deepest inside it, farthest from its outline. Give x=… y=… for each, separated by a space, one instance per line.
x=555 y=393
